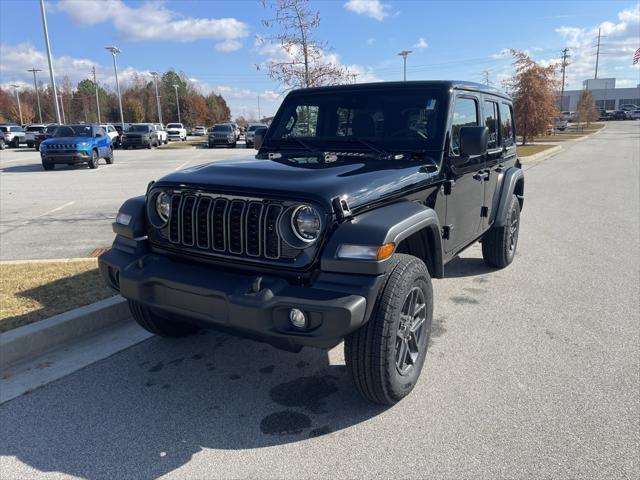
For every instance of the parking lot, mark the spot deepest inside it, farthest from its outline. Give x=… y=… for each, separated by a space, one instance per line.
x=68 y=212
x=532 y=372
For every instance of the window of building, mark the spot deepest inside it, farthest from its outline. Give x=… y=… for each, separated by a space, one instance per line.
x=506 y=125
x=491 y=122
x=632 y=101
x=465 y=114
x=606 y=104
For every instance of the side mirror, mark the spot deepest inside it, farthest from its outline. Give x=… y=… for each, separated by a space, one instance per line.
x=258 y=137
x=473 y=141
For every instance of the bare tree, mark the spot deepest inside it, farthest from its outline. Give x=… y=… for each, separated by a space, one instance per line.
x=587 y=111
x=534 y=101
x=302 y=61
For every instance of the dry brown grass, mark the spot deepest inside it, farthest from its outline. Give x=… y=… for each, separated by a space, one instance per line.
x=34 y=291
x=528 y=150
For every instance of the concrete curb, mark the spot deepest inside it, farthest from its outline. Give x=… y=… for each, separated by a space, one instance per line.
x=40 y=337
x=538 y=157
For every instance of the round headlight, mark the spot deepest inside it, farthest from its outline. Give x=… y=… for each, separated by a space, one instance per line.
x=163 y=206
x=306 y=223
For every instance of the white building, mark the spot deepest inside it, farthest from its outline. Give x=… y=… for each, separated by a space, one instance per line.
x=605 y=94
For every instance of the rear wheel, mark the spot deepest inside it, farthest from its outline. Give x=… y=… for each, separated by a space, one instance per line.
x=499 y=243
x=29 y=144
x=16 y=143
x=2 y=144
x=93 y=161
x=386 y=355
x=160 y=323
x=109 y=159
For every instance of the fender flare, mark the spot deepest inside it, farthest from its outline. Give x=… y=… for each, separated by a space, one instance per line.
x=391 y=223
x=512 y=178
x=137 y=226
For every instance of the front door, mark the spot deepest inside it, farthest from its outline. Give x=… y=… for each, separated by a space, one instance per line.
x=465 y=179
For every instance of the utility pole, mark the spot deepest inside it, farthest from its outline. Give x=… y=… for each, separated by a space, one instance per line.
x=114 y=51
x=597 y=55
x=18 y=97
x=177 y=102
x=64 y=120
x=95 y=83
x=485 y=77
x=259 y=114
x=404 y=54
x=155 y=81
x=35 y=86
x=565 y=55
x=51 y=74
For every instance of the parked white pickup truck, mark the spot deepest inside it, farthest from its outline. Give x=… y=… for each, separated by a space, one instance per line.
x=162 y=133
x=176 y=131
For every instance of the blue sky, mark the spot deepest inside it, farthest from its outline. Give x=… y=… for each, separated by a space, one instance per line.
x=213 y=42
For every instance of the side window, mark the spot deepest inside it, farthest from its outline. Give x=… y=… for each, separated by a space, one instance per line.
x=303 y=123
x=506 y=125
x=465 y=114
x=491 y=122
x=100 y=132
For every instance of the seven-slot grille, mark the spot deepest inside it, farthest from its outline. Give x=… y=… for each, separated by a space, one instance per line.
x=227 y=226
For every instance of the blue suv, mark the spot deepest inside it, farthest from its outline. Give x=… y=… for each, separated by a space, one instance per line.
x=71 y=144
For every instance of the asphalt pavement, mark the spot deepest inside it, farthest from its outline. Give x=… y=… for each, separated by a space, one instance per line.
x=533 y=371
x=68 y=212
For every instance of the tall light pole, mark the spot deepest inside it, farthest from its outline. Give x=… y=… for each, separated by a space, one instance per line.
x=51 y=74
x=155 y=82
x=177 y=102
x=18 y=97
x=35 y=86
x=114 y=51
x=404 y=54
x=64 y=120
x=95 y=83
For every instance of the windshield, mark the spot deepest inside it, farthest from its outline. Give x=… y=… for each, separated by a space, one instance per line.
x=35 y=129
x=73 y=131
x=139 y=128
x=174 y=125
x=393 y=119
x=251 y=128
x=51 y=128
x=221 y=128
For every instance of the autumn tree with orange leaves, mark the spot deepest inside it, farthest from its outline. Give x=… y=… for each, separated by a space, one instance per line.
x=533 y=90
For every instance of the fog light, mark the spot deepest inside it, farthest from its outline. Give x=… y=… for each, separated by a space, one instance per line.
x=297 y=318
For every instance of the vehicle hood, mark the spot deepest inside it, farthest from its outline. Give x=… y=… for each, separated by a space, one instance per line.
x=361 y=183
x=66 y=140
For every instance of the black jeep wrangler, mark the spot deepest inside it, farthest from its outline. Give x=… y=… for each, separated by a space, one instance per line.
x=357 y=197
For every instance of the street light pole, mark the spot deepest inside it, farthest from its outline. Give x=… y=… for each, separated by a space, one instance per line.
x=95 y=83
x=155 y=81
x=64 y=120
x=51 y=74
x=18 y=97
x=35 y=86
x=114 y=51
x=177 y=102
x=404 y=54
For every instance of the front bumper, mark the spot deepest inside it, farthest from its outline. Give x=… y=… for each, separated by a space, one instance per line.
x=136 y=142
x=335 y=304
x=79 y=156
x=221 y=141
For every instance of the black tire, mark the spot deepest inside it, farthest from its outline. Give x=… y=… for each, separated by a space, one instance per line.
x=166 y=141
x=234 y=144
x=149 y=145
x=371 y=351
x=2 y=145
x=16 y=143
x=29 y=144
x=211 y=145
x=93 y=161
x=109 y=159
x=499 y=243
x=48 y=165
x=159 y=324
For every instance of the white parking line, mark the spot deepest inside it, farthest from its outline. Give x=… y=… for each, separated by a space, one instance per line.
x=183 y=165
x=57 y=209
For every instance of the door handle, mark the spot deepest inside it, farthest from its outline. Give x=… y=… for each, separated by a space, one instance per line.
x=481 y=176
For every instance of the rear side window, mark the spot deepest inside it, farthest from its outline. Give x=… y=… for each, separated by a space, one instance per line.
x=465 y=114
x=491 y=122
x=506 y=125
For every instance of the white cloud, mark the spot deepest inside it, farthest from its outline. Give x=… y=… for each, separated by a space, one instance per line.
x=370 y=8
x=371 y=41
x=228 y=46
x=422 y=43
x=153 y=21
x=505 y=52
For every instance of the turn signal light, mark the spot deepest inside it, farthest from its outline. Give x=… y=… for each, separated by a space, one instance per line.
x=385 y=251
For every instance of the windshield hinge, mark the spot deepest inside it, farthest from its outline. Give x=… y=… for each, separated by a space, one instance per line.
x=341 y=207
x=448 y=186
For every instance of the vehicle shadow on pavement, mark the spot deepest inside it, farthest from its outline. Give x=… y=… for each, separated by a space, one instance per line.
x=466 y=267
x=146 y=411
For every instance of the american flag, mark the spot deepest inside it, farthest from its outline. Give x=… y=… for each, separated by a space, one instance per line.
x=636 y=56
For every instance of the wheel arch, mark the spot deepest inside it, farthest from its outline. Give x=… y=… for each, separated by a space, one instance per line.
x=513 y=184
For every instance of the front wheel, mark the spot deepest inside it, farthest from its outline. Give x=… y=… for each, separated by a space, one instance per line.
x=2 y=145
x=16 y=143
x=160 y=323
x=109 y=159
x=93 y=161
x=499 y=243
x=386 y=355
x=48 y=165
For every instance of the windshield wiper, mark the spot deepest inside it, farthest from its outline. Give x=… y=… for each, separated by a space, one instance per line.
x=382 y=153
